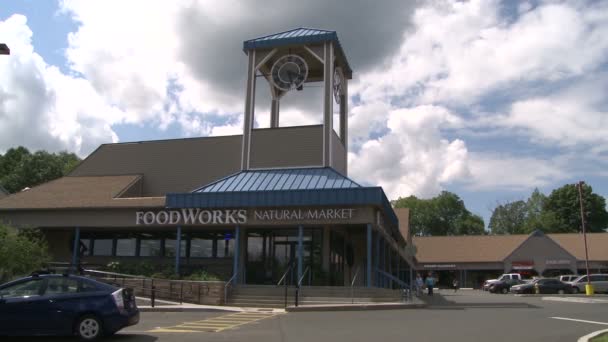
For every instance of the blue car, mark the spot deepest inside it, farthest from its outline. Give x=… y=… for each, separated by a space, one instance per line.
x=54 y=304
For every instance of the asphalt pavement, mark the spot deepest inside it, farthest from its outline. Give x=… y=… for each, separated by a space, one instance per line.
x=462 y=316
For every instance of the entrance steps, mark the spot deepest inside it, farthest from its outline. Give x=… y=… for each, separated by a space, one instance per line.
x=271 y=296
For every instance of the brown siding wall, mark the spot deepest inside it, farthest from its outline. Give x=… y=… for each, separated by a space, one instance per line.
x=339 y=158
x=287 y=147
x=167 y=166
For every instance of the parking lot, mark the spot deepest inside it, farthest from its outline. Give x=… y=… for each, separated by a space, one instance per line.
x=467 y=315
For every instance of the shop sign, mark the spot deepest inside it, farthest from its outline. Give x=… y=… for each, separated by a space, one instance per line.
x=439 y=266
x=303 y=214
x=522 y=265
x=199 y=216
x=191 y=216
x=558 y=262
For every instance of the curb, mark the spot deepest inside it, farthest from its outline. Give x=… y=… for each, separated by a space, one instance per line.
x=168 y=308
x=354 y=307
x=588 y=337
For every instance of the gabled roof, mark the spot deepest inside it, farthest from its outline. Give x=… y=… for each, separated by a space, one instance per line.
x=300 y=35
x=469 y=248
x=80 y=192
x=281 y=179
x=297 y=36
x=597 y=245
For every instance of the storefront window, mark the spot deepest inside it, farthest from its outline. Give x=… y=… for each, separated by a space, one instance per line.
x=102 y=247
x=149 y=247
x=126 y=246
x=201 y=246
x=170 y=248
x=225 y=245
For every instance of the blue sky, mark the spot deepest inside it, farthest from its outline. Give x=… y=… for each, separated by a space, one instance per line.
x=487 y=99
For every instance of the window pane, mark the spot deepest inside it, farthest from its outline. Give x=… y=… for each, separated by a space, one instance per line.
x=61 y=286
x=170 y=248
x=28 y=288
x=225 y=245
x=125 y=247
x=85 y=246
x=149 y=247
x=201 y=247
x=102 y=247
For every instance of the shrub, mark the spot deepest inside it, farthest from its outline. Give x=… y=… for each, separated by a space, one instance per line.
x=22 y=251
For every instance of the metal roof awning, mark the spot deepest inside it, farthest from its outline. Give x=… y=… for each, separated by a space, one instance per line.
x=302 y=187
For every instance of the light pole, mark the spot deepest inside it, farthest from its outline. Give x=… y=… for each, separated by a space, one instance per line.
x=4 y=50
x=580 y=198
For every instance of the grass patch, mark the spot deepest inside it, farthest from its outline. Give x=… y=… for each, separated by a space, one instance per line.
x=601 y=338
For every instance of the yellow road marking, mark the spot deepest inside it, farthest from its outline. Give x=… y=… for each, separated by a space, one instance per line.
x=217 y=324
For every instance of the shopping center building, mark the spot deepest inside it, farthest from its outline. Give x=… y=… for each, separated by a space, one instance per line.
x=473 y=259
x=245 y=207
x=248 y=207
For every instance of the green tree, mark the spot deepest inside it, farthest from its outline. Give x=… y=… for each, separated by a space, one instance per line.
x=21 y=252
x=564 y=203
x=509 y=218
x=19 y=168
x=444 y=214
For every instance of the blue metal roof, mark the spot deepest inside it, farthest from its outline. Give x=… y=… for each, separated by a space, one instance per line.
x=280 y=179
x=358 y=195
x=300 y=35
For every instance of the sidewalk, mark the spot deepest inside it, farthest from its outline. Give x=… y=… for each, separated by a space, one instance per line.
x=160 y=305
x=414 y=304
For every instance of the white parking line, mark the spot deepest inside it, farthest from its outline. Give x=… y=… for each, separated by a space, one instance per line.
x=580 y=320
x=576 y=300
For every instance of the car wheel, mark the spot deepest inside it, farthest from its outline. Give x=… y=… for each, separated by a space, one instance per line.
x=575 y=290
x=561 y=291
x=504 y=290
x=89 y=328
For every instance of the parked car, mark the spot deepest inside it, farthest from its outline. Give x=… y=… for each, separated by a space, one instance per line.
x=525 y=288
x=599 y=282
x=548 y=285
x=506 y=276
x=567 y=278
x=53 y=304
x=504 y=286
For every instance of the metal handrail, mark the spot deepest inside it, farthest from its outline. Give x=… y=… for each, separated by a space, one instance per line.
x=300 y=284
x=303 y=275
x=393 y=278
x=285 y=274
x=226 y=288
x=352 y=284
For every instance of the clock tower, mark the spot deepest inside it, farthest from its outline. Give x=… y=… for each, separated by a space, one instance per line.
x=288 y=61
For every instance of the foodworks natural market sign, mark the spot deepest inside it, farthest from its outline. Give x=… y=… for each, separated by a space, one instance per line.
x=237 y=216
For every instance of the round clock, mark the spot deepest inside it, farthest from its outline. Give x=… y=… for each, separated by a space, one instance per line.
x=337 y=84
x=289 y=72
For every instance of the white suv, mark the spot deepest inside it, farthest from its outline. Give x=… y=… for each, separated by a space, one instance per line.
x=599 y=282
x=568 y=278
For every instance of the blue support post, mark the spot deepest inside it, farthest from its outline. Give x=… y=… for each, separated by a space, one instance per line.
x=390 y=265
x=178 y=244
x=76 y=251
x=369 y=255
x=377 y=260
x=300 y=251
x=235 y=266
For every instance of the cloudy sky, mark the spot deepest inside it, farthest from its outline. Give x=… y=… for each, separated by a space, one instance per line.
x=488 y=99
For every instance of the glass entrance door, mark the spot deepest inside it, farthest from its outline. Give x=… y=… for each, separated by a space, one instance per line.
x=270 y=252
x=284 y=256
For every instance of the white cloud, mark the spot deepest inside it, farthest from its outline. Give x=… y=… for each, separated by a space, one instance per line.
x=412 y=158
x=471 y=55
x=40 y=107
x=512 y=173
